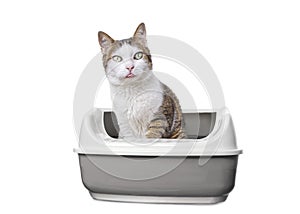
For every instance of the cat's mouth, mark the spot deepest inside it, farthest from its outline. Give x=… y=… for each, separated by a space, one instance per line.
x=130 y=75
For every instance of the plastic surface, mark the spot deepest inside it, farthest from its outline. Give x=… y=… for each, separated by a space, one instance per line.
x=210 y=133
x=197 y=170
x=188 y=182
x=158 y=199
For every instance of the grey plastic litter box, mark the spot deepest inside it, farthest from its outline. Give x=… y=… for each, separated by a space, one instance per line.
x=197 y=170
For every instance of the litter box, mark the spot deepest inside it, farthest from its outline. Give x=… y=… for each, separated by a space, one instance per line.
x=198 y=170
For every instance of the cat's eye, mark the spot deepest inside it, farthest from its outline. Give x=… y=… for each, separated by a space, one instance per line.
x=138 y=55
x=117 y=58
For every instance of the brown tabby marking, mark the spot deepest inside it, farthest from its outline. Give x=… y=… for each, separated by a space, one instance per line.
x=168 y=121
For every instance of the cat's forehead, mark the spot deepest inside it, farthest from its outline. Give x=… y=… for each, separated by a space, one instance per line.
x=125 y=47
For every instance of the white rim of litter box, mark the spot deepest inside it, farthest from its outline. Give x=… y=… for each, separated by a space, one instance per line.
x=161 y=148
x=207 y=146
x=146 y=153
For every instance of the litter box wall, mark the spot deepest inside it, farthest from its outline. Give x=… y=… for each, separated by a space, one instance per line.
x=164 y=172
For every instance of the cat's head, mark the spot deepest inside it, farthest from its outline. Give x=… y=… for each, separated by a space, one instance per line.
x=126 y=61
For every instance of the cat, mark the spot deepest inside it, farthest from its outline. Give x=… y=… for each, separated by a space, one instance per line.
x=144 y=106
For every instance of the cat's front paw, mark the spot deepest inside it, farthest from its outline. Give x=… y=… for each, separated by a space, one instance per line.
x=153 y=134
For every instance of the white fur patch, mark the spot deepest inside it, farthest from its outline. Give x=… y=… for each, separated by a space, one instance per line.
x=134 y=99
x=135 y=105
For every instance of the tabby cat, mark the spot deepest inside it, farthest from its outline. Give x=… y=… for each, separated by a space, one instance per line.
x=144 y=106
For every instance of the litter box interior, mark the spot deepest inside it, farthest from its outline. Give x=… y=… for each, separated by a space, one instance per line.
x=197 y=125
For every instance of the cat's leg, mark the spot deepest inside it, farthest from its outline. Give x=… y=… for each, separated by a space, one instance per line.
x=125 y=131
x=157 y=127
x=125 y=128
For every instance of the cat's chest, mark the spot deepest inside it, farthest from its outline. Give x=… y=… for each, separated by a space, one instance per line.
x=138 y=104
x=135 y=107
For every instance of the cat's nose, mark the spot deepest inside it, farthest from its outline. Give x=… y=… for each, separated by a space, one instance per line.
x=130 y=68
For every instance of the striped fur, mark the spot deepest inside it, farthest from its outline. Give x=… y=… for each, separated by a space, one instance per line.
x=168 y=121
x=144 y=106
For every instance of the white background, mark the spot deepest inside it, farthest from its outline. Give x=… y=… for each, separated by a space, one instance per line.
x=253 y=46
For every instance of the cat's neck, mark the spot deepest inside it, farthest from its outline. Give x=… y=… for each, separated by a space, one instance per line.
x=149 y=83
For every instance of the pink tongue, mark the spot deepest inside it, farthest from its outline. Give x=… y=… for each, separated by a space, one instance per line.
x=130 y=75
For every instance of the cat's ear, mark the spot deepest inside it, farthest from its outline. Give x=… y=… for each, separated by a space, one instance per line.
x=104 y=40
x=140 y=33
